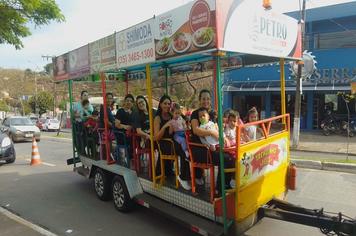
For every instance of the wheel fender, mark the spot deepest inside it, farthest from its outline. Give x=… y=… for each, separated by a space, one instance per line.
x=130 y=177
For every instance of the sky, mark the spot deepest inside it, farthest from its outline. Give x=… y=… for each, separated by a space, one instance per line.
x=87 y=21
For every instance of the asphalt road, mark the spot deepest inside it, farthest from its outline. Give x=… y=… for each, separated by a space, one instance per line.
x=63 y=202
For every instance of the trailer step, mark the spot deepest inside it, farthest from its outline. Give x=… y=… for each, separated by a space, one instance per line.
x=82 y=171
x=196 y=223
x=72 y=161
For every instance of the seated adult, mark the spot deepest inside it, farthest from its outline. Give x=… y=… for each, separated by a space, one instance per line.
x=124 y=118
x=110 y=118
x=163 y=129
x=142 y=119
x=200 y=153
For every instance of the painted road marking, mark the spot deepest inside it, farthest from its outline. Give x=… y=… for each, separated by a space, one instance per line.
x=43 y=163
x=26 y=223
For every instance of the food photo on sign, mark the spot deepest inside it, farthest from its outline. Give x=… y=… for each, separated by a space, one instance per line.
x=187 y=29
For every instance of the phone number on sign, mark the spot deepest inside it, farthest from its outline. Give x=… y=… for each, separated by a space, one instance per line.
x=136 y=56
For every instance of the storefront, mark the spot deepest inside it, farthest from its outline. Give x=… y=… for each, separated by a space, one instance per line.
x=336 y=70
x=333 y=43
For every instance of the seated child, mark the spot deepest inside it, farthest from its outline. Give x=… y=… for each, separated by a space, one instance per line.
x=225 y=116
x=205 y=123
x=251 y=130
x=179 y=127
x=230 y=128
x=92 y=123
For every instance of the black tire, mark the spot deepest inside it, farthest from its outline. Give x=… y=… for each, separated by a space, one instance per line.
x=326 y=131
x=102 y=185
x=11 y=136
x=11 y=160
x=121 y=196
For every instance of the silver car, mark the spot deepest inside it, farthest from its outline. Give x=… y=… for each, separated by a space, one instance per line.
x=21 y=129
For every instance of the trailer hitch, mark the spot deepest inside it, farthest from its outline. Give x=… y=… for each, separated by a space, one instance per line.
x=336 y=224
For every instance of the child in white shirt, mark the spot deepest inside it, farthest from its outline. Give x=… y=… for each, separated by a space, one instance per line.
x=205 y=123
x=251 y=130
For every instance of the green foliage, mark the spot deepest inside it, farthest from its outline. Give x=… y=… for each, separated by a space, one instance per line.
x=16 y=14
x=63 y=105
x=27 y=108
x=3 y=106
x=48 y=69
x=43 y=101
x=346 y=97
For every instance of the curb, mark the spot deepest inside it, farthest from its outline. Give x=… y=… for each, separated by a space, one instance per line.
x=323 y=152
x=26 y=223
x=320 y=165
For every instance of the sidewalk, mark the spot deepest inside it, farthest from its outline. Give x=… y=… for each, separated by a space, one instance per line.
x=317 y=142
x=313 y=141
x=13 y=225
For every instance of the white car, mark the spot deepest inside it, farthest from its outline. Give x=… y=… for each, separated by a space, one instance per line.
x=51 y=125
x=21 y=129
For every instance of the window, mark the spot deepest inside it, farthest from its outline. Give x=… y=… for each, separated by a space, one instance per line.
x=331 y=100
x=343 y=39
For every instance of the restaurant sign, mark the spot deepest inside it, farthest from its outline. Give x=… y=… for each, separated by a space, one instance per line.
x=186 y=29
x=246 y=27
x=135 y=45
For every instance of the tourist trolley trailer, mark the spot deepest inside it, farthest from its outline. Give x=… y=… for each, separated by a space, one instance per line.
x=215 y=36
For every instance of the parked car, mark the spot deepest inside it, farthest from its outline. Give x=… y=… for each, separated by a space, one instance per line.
x=21 y=129
x=34 y=119
x=7 y=149
x=51 y=125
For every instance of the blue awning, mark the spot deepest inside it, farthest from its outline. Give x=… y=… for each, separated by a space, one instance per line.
x=274 y=86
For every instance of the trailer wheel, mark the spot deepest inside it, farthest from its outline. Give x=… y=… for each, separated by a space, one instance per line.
x=120 y=195
x=102 y=184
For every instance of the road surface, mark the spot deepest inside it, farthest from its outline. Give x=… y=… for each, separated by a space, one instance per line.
x=56 y=198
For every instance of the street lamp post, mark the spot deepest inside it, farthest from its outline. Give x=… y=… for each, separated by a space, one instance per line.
x=298 y=89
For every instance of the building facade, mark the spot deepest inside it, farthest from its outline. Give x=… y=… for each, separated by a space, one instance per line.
x=331 y=37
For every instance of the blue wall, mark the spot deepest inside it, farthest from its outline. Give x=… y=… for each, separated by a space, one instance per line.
x=326 y=59
x=332 y=25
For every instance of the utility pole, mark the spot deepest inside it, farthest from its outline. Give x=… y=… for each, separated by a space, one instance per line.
x=48 y=57
x=298 y=89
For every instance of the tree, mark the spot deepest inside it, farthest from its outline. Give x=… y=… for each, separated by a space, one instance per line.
x=16 y=14
x=43 y=101
x=48 y=69
x=3 y=106
x=63 y=104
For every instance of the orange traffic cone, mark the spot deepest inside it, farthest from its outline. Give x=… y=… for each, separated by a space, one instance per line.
x=35 y=156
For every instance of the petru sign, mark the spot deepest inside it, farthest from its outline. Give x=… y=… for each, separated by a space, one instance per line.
x=245 y=27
